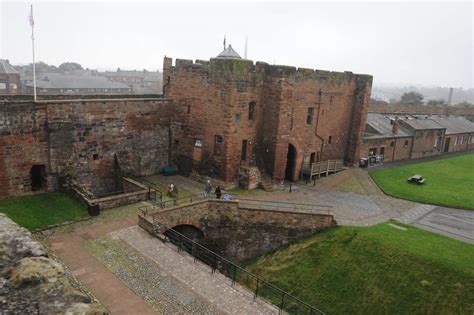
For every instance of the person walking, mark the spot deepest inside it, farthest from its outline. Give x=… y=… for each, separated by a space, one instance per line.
x=218 y=192
x=207 y=189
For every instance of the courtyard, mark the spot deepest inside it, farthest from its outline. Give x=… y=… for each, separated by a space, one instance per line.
x=129 y=271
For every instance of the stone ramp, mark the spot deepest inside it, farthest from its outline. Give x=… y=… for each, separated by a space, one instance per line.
x=415 y=213
x=215 y=288
x=455 y=223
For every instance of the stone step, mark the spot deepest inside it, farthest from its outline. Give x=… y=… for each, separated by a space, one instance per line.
x=415 y=213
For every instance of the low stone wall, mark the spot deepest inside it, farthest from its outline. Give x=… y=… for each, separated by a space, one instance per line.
x=32 y=283
x=139 y=193
x=249 y=177
x=238 y=233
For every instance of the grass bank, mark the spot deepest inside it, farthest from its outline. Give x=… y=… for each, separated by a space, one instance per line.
x=39 y=211
x=375 y=270
x=449 y=182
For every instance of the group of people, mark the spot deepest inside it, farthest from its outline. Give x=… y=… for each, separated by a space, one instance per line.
x=208 y=190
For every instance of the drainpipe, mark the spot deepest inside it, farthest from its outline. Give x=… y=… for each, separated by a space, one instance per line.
x=394 y=148
x=317 y=125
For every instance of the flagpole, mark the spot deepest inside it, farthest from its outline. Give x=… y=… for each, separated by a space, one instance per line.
x=32 y=23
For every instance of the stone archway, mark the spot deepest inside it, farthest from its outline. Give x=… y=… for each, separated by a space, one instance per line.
x=188 y=230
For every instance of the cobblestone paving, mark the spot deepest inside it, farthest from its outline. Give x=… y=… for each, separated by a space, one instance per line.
x=215 y=288
x=349 y=207
x=162 y=292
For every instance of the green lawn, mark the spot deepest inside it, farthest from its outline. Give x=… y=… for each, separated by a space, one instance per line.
x=449 y=182
x=375 y=270
x=38 y=211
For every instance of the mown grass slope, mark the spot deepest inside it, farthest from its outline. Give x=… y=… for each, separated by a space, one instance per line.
x=375 y=270
x=39 y=211
x=449 y=182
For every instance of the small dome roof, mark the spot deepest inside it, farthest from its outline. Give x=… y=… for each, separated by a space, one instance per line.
x=229 y=52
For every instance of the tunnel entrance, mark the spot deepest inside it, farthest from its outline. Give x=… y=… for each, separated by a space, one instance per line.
x=190 y=231
x=38 y=177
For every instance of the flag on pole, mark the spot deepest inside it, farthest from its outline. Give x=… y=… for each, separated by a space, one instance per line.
x=32 y=24
x=30 y=18
x=224 y=42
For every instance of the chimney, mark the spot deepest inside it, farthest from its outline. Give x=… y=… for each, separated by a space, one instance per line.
x=395 y=126
x=450 y=97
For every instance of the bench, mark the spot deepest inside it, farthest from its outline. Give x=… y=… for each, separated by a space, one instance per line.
x=417 y=179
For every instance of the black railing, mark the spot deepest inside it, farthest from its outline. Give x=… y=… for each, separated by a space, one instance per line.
x=147 y=183
x=285 y=206
x=283 y=300
x=160 y=204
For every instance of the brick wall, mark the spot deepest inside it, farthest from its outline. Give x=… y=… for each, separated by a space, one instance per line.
x=87 y=140
x=423 y=143
x=394 y=148
x=459 y=142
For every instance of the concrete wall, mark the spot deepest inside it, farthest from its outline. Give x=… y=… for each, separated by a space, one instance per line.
x=238 y=233
x=89 y=141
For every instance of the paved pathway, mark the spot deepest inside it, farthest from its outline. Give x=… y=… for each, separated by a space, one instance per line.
x=103 y=284
x=455 y=223
x=415 y=213
x=216 y=288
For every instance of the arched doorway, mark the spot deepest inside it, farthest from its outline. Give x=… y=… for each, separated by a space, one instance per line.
x=290 y=162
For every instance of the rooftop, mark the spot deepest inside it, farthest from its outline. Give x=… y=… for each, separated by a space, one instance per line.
x=454 y=124
x=6 y=67
x=420 y=122
x=229 y=52
x=64 y=81
x=381 y=123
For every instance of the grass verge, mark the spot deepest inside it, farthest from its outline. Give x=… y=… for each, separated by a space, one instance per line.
x=41 y=210
x=375 y=270
x=449 y=182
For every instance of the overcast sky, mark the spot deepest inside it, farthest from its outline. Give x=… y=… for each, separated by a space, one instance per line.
x=428 y=43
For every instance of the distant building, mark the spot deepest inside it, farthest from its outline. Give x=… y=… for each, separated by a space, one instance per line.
x=82 y=82
x=399 y=136
x=141 y=82
x=9 y=79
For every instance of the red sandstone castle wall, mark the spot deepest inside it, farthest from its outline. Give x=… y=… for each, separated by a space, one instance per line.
x=22 y=144
x=210 y=94
x=80 y=139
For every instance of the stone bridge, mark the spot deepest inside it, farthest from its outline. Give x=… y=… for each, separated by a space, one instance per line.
x=237 y=230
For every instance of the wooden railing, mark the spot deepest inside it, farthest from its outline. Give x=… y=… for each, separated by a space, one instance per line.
x=324 y=167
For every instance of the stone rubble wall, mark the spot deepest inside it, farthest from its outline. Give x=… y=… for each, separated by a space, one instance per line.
x=237 y=233
x=90 y=141
x=32 y=283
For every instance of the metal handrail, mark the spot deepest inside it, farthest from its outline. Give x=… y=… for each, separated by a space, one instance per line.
x=243 y=202
x=147 y=183
x=282 y=299
x=286 y=206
